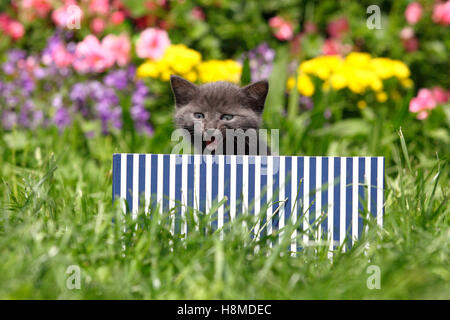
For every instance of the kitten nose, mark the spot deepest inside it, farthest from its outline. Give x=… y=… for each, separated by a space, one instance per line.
x=211 y=125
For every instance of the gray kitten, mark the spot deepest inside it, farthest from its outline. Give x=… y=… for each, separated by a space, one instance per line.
x=209 y=111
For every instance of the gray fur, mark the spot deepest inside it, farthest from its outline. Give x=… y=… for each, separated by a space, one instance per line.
x=216 y=99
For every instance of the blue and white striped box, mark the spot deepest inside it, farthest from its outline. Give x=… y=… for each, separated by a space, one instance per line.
x=338 y=190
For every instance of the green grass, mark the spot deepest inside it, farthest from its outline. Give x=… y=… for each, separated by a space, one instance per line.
x=56 y=211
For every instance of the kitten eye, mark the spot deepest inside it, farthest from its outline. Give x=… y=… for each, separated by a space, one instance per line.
x=226 y=117
x=199 y=115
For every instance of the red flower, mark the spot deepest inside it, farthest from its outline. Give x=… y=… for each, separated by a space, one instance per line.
x=338 y=27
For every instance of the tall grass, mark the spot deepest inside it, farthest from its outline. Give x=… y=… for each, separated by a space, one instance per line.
x=56 y=211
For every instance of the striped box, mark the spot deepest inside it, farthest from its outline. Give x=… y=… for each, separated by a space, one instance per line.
x=338 y=190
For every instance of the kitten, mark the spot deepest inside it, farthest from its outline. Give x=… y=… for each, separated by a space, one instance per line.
x=209 y=111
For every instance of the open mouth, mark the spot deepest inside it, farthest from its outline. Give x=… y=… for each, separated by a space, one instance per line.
x=212 y=144
x=211 y=141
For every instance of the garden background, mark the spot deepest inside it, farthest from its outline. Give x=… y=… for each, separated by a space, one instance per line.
x=75 y=91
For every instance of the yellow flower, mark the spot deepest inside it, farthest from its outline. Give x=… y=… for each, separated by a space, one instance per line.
x=290 y=83
x=308 y=66
x=322 y=71
x=177 y=59
x=180 y=58
x=382 y=67
x=356 y=87
x=358 y=72
x=165 y=75
x=219 y=70
x=147 y=69
x=376 y=84
x=362 y=104
x=191 y=76
x=381 y=96
x=358 y=59
x=305 y=85
x=338 y=81
x=401 y=70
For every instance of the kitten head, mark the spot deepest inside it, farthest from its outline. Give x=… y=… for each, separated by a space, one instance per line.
x=217 y=106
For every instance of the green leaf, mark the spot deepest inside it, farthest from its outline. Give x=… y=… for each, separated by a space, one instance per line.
x=345 y=128
x=246 y=76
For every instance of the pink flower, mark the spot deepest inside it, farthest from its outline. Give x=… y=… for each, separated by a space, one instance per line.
x=61 y=57
x=119 y=47
x=406 y=33
x=197 y=13
x=99 y=6
x=331 y=47
x=152 y=43
x=441 y=13
x=117 y=17
x=15 y=30
x=423 y=103
x=41 y=7
x=4 y=21
x=440 y=95
x=334 y=46
x=11 y=27
x=422 y=115
x=413 y=12
x=90 y=55
x=63 y=15
x=410 y=43
x=98 y=25
x=338 y=27
x=283 y=29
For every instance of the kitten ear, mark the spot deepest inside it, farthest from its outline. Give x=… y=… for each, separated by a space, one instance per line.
x=183 y=90
x=256 y=94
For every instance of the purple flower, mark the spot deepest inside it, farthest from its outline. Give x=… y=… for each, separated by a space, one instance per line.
x=131 y=72
x=62 y=118
x=306 y=102
x=24 y=119
x=139 y=113
x=103 y=109
x=79 y=92
x=97 y=100
x=116 y=117
x=140 y=94
x=40 y=73
x=15 y=55
x=27 y=84
x=9 y=67
x=57 y=101
x=37 y=119
x=260 y=61
x=117 y=79
x=9 y=119
x=12 y=101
